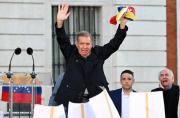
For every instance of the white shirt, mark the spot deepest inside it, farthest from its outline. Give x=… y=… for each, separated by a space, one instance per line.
x=125 y=105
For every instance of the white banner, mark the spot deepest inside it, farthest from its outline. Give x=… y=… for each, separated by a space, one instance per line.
x=41 y=111
x=146 y=105
x=1 y=114
x=80 y=110
x=100 y=106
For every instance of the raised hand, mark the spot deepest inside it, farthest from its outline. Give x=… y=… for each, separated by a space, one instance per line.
x=123 y=22
x=62 y=14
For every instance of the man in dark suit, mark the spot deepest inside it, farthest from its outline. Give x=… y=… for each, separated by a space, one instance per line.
x=120 y=97
x=170 y=93
x=84 y=63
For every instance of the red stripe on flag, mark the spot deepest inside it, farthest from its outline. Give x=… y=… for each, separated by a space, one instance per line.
x=5 y=96
x=21 y=98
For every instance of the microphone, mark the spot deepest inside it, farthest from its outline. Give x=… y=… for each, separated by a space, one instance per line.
x=17 y=51
x=30 y=52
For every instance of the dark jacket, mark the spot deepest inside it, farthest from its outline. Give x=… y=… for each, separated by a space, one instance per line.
x=116 y=96
x=171 y=99
x=82 y=72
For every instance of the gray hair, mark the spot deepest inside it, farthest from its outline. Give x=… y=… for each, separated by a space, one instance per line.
x=169 y=71
x=84 y=34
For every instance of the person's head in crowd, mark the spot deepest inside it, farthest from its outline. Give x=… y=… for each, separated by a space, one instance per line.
x=166 y=78
x=84 y=43
x=127 y=80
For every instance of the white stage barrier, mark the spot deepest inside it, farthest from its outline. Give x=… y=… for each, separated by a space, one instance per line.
x=1 y=114
x=100 y=106
x=41 y=111
x=147 y=105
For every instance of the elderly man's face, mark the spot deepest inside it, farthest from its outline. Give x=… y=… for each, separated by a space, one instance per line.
x=166 y=79
x=84 y=45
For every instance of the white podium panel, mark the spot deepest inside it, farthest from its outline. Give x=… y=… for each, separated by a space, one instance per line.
x=103 y=106
x=80 y=110
x=146 y=105
x=41 y=111
x=1 y=114
x=100 y=106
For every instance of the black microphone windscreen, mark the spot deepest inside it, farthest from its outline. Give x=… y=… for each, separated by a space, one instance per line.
x=17 y=51
x=29 y=51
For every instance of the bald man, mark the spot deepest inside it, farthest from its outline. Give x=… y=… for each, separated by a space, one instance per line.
x=170 y=92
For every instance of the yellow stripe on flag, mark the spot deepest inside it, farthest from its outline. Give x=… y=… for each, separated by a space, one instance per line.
x=147 y=107
x=82 y=110
x=51 y=112
x=105 y=93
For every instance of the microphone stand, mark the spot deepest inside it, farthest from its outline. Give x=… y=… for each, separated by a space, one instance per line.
x=33 y=76
x=9 y=76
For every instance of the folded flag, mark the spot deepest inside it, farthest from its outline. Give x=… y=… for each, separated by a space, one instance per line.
x=22 y=94
x=128 y=12
x=121 y=12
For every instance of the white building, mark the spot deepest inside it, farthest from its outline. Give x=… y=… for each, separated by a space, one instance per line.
x=29 y=23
